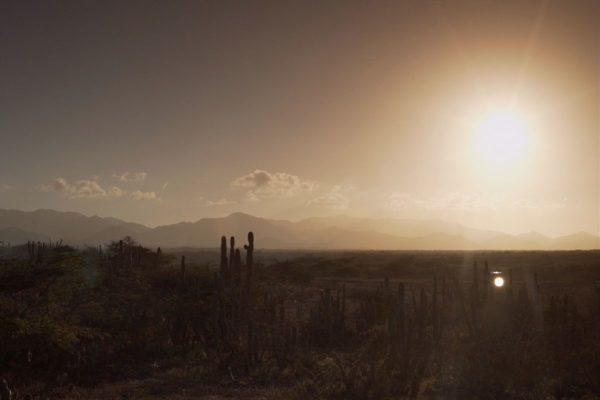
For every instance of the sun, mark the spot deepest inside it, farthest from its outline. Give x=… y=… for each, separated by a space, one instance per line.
x=499 y=281
x=501 y=137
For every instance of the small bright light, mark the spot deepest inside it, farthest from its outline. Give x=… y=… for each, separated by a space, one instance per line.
x=502 y=137
x=499 y=281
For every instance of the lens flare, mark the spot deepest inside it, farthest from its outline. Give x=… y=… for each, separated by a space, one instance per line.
x=502 y=137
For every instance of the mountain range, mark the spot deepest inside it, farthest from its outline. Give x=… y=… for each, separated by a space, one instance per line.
x=336 y=232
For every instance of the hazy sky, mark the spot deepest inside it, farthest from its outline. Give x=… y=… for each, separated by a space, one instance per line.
x=158 y=112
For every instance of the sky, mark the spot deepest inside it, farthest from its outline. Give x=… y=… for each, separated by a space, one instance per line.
x=165 y=111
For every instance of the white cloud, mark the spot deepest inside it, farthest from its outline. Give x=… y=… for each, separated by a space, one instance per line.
x=114 y=191
x=400 y=201
x=530 y=204
x=139 y=195
x=131 y=176
x=446 y=201
x=90 y=189
x=465 y=202
x=262 y=184
x=337 y=198
x=251 y=197
x=84 y=188
x=219 y=202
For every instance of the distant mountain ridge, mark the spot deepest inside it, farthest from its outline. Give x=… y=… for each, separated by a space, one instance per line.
x=336 y=232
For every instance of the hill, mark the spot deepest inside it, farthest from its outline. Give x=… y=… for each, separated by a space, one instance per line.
x=337 y=232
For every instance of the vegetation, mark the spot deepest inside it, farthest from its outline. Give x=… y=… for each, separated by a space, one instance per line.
x=125 y=320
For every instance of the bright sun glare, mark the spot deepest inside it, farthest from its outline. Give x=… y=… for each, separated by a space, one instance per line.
x=502 y=137
x=499 y=281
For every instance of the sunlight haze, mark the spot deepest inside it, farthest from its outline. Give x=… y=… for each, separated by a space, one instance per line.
x=478 y=112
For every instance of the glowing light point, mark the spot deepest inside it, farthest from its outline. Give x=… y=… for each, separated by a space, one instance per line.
x=499 y=282
x=502 y=138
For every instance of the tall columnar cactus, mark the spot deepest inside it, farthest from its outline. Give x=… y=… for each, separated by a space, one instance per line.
x=237 y=268
x=232 y=270
x=31 y=251
x=240 y=294
x=423 y=311
x=250 y=345
x=486 y=280
x=249 y=259
x=434 y=311
x=224 y=265
x=475 y=283
x=402 y=318
x=216 y=315
x=343 y=308
x=158 y=257
x=121 y=255
x=475 y=295
x=182 y=268
x=510 y=285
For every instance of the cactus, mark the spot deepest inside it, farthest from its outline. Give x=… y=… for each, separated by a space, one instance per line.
x=402 y=319
x=475 y=283
x=486 y=281
x=182 y=268
x=223 y=266
x=238 y=265
x=250 y=341
x=239 y=298
x=121 y=255
x=158 y=257
x=422 y=316
x=231 y=271
x=435 y=319
x=343 y=308
x=216 y=314
x=249 y=260
x=475 y=296
x=510 y=286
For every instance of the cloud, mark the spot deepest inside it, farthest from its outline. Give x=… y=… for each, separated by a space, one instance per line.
x=114 y=191
x=529 y=204
x=5 y=188
x=400 y=201
x=262 y=184
x=446 y=201
x=336 y=198
x=210 y=203
x=139 y=195
x=84 y=188
x=251 y=197
x=91 y=189
x=131 y=176
x=465 y=202
x=219 y=202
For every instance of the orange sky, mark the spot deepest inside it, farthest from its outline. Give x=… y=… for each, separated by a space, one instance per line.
x=170 y=111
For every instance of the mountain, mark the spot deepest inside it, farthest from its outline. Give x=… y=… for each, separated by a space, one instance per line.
x=535 y=239
x=577 y=241
x=72 y=227
x=14 y=235
x=398 y=227
x=526 y=241
x=337 y=232
x=208 y=231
